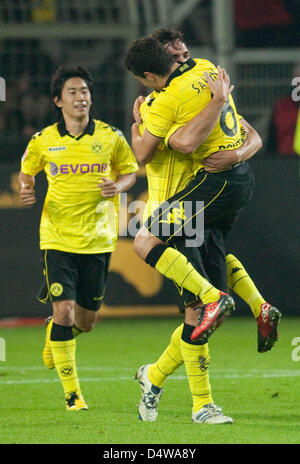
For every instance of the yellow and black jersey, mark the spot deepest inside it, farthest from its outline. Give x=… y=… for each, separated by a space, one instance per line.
x=168 y=172
x=75 y=217
x=186 y=94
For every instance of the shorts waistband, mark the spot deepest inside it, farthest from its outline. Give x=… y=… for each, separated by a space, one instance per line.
x=237 y=169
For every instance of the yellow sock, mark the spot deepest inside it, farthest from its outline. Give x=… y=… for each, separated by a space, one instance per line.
x=64 y=359
x=168 y=362
x=240 y=282
x=196 y=360
x=175 y=266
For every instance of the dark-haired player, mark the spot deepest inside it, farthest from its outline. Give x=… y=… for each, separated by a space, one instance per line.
x=87 y=163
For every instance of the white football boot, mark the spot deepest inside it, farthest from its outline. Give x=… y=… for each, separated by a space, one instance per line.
x=211 y=414
x=148 y=405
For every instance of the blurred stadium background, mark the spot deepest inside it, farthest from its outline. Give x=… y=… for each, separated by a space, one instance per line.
x=258 y=42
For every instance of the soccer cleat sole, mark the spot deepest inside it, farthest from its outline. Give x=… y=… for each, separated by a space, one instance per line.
x=80 y=408
x=229 y=307
x=209 y=415
x=267 y=343
x=222 y=421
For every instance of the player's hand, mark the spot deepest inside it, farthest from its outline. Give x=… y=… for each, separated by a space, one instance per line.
x=220 y=161
x=27 y=195
x=108 y=187
x=220 y=88
x=136 y=109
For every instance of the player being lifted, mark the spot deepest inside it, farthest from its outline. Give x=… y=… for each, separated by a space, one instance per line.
x=87 y=163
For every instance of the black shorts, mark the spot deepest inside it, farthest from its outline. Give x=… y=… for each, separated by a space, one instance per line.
x=223 y=196
x=74 y=276
x=217 y=199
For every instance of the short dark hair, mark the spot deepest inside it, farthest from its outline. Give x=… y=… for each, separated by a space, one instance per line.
x=62 y=74
x=148 y=55
x=167 y=34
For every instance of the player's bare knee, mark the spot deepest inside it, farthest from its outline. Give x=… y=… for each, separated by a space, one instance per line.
x=144 y=242
x=63 y=313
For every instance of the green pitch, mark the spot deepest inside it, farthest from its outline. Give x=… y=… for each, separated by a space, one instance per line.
x=260 y=391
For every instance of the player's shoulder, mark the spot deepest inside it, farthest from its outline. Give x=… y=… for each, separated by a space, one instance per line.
x=107 y=129
x=44 y=133
x=167 y=96
x=203 y=62
x=202 y=66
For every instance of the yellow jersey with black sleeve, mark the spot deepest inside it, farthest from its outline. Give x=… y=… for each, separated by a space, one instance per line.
x=75 y=217
x=186 y=94
x=168 y=172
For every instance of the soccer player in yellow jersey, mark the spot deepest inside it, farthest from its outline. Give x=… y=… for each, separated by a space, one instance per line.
x=152 y=377
x=167 y=173
x=87 y=163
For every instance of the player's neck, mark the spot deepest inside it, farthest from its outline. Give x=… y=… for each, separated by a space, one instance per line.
x=165 y=78
x=75 y=125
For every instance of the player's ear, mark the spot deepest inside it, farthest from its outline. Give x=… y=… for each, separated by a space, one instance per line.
x=149 y=76
x=57 y=101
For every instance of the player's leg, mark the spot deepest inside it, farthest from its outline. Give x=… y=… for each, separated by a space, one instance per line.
x=196 y=354
x=60 y=271
x=182 y=350
x=90 y=289
x=168 y=362
x=196 y=360
x=152 y=376
x=84 y=320
x=59 y=284
x=240 y=184
x=213 y=252
x=267 y=316
x=47 y=352
x=240 y=282
x=63 y=348
x=173 y=265
x=237 y=279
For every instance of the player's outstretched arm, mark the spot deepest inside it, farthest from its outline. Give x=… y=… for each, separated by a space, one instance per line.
x=190 y=136
x=27 y=192
x=222 y=160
